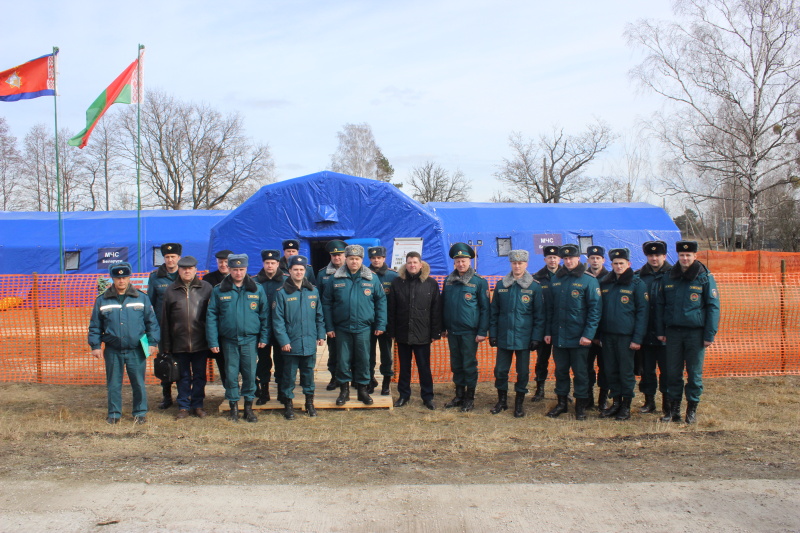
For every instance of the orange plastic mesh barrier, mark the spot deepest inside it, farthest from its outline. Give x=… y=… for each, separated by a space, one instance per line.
x=756 y=262
x=44 y=321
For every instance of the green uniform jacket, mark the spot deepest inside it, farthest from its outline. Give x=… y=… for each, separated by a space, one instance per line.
x=297 y=318
x=652 y=280
x=517 y=313
x=386 y=276
x=574 y=307
x=354 y=302
x=271 y=288
x=625 y=305
x=688 y=299
x=157 y=284
x=237 y=314
x=465 y=304
x=121 y=325
x=323 y=276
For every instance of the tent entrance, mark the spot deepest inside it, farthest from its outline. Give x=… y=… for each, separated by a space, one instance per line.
x=319 y=254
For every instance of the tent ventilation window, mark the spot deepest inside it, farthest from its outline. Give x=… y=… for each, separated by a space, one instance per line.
x=503 y=246
x=584 y=243
x=72 y=260
x=158 y=259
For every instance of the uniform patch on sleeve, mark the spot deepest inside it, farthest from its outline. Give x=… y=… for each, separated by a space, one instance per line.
x=714 y=293
x=597 y=290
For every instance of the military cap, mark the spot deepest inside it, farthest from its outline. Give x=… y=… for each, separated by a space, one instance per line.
x=569 y=250
x=518 y=255
x=354 y=249
x=596 y=250
x=187 y=262
x=291 y=244
x=275 y=255
x=297 y=260
x=377 y=251
x=686 y=246
x=654 y=248
x=549 y=250
x=120 y=270
x=171 y=248
x=336 y=247
x=223 y=254
x=461 y=249
x=237 y=261
x=619 y=253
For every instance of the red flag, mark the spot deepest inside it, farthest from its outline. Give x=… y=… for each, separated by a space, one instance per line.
x=29 y=80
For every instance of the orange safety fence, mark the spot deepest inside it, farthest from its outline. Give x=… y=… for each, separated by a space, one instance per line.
x=44 y=321
x=756 y=262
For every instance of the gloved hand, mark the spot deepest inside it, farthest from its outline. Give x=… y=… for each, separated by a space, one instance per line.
x=534 y=345
x=493 y=342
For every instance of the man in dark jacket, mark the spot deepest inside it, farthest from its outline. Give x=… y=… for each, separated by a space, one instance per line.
x=595 y=267
x=292 y=247
x=415 y=322
x=271 y=279
x=215 y=278
x=183 y=334
x=121 y=318
x=377 y=259
x=544 y=276
x=157 y=284
x=336 y=250
x=687 y=318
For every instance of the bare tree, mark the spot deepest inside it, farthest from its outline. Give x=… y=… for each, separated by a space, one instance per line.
x=730 y=70
x=551 y=170
x=430 y=182
x=39 y=169
x=359 y=155
x=103 y=167
x=630 y=174
x=10 y=166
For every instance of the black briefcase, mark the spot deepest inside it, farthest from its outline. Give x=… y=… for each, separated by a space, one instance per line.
x=165 y=367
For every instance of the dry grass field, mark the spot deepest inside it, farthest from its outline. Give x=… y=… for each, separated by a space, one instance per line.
x=748 y=428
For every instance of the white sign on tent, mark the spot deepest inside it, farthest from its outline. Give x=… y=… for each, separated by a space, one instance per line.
x=402 y=246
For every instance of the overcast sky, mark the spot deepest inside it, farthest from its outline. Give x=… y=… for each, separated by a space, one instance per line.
x=445 y=81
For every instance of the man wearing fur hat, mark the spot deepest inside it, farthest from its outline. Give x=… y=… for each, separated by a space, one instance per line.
x=574 y=309
x=354 y=305
x=544 y=276
x=271 y=279
x=465 y=319
x=687 y=318
x=415 y=322
x=622 y=329
x=653 y=351
x=292 y=247
x=157 y=284
x=595 y=260
x=336 y=250
x=377 y=260
x=516 y=327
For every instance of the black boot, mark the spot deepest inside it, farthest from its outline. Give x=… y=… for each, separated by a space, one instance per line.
x=234 y=414
x=249 y=415
x=469 y=400
x=310 y=409
x=580 y=408
x=263 y=397
x=613 y=409
x=676 y=411
x=519 y=405
x=538 y=394
x=458 y=400
x=372 y=384
x=649 y=405
x=666 y=407
x=344 y=394
x=363 y=394
x=589 y=401
x=332 y=384
x=166 y=390
x=691 y=412
x=560 y=407
x=288 y=411
x=502 y=402
x=602 y=400
x=387 y=380
x=624 y=412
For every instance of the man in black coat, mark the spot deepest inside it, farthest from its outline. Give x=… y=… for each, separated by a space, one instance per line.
x=414 y=322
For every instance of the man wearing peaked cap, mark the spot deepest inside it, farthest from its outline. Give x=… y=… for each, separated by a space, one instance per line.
x=336 y=250
x=465 y=321
x=595 y=261
x=377 y=260
x=544 y=276
x=687 y=319
x=157 y=284
x=121 y=317
x=292 y=247
x=214 y=278
x=653 y=352
x=271 y=279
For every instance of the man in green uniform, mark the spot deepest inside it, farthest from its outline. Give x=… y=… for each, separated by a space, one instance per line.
x=238 y=321
x=465 y=318
x=377 y=259
x=573 y=315
x=653 y=351
x=271 y=279
x=157 y=284
x=354 y=305
x=622 y=328
x=516 y=327
x=299 y=328
x=336 y=250
x=121 y=317
x=595 y=267
x=292 y=247
x=544 y=276
x=687 y=318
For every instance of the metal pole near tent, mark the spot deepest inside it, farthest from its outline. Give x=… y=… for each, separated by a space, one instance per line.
x=139 y=52
x=58 y=166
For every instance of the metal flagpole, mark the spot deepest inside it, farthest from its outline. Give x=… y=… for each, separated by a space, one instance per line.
x=138 y=158
x=58 y=166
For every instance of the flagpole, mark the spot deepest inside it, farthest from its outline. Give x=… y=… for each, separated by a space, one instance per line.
x=138 y=158
x=58 y=167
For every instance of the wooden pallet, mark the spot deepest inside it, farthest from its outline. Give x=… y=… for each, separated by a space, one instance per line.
x=323 y=399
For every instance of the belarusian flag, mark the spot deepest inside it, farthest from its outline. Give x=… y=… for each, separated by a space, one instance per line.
x=123 y=90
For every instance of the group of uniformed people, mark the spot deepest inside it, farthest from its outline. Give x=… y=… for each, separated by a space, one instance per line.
x=662 y=315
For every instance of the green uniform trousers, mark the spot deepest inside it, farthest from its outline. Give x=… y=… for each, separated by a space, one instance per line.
x=116 y=363
x=463 y=359
x=382 y=344
x=293 y=363
x=240 y=358
x=618 y=360
x=685 y=348
x=503 y=365
x=652 y=357
x=333 y=356
x=353 y=351
x=575 y=359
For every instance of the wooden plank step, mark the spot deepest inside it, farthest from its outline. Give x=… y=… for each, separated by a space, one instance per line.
x=323 y=399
